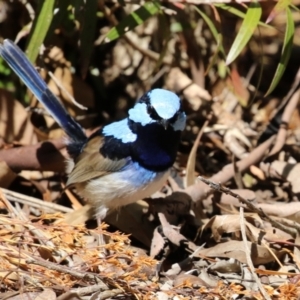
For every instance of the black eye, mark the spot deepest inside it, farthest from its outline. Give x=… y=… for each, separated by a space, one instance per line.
x=152 y=113
x=175 y=117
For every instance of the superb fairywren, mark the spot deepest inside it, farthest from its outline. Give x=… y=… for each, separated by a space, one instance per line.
x=124 y=161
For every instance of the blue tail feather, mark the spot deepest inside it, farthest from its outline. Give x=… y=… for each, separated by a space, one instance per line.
x=17 y=60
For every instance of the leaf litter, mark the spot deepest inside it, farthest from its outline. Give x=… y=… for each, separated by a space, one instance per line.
x=234 y=237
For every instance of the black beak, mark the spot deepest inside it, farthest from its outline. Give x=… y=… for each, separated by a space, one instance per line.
x=164 y=123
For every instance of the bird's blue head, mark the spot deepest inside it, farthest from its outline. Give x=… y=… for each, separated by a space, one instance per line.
x=151 y=133
x=161 y=107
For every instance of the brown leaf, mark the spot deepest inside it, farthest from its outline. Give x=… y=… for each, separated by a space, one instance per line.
x=14 y=122
x=290 y=172
x=188 y=279
x=228 y=224
x=177 y=81
x=284 y=210
x=7 y=176
x=46 y=294
x=130 y=219
x=236 y=249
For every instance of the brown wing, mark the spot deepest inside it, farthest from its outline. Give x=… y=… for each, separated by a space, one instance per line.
x=90 y=163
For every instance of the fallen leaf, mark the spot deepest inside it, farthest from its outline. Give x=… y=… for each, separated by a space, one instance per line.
x=7 y=176
x=14 y=128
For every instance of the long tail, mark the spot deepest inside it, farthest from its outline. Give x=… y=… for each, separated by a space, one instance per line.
x=17 y=60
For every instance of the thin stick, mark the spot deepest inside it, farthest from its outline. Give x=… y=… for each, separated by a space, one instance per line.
x=248 y=256
x=57 y=82
x=252 y=207
x=34 y=202
x=65 y=270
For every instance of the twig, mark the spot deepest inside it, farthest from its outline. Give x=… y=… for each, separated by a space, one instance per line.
x=272 y=253
x=44 y=240
x=286 y=117
x=63 y=269
x=89 y=290
x=174 y=236
x=191 y=162
x=281 y=117
x=109 y=294
x=34 y=202
x=44 y=156
x=248 y=256
x=251 y=206
x=65 y=90
x=199 y=191
x=295 y=86
x=29 y=8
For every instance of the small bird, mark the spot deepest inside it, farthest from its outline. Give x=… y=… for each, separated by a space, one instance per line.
x=124 y=161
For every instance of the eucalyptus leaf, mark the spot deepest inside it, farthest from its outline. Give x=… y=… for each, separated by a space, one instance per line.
x=286 y=50
x=134 y=19
x=238 y=13
x=246 y=31
x=40 y=28
x=217 y=36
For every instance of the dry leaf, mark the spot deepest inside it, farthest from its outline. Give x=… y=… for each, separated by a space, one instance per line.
x=7 y=176
x=290 y=172
x=228 y=224
x=236 y=249
x=177 y=81
x=14 y=122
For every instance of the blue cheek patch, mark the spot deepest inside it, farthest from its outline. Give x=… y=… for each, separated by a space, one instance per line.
x=139 y=114
x=121 y=131
x=180 y=123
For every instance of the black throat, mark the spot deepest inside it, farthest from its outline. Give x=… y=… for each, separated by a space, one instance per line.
x=154 y=149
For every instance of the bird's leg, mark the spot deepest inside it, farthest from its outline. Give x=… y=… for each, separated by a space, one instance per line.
x=100 y=238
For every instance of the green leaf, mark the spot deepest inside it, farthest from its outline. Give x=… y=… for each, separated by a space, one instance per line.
x=4 y=69
x=213 y=60
x=223 y=69
x=286 y=50
x=87 y=34
x=136 y=18
x=246 y=31
x=212 y=28
x=280 y=6
x=40 y=28
x=295 y=7
x=238 y=13
x=176 y=27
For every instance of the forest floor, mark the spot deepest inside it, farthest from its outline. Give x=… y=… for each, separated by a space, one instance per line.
x=226 y=225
